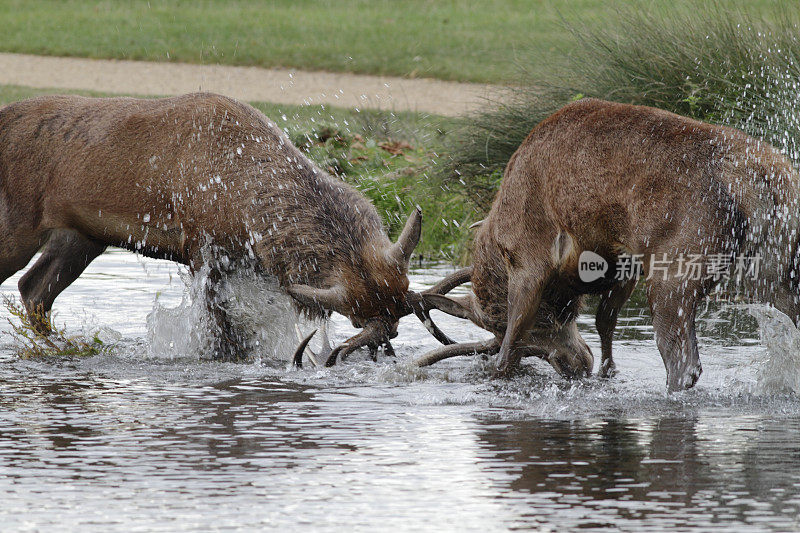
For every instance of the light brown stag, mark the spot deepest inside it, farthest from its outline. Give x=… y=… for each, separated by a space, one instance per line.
x=200 y=179
x=623 y=182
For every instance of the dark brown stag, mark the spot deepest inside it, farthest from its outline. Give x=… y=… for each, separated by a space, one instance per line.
x=627 y=182
x=199 y=179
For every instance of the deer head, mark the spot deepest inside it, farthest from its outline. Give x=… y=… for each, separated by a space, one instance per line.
x=374 y=299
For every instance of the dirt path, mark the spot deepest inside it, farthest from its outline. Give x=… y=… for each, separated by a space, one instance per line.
x=283 y=86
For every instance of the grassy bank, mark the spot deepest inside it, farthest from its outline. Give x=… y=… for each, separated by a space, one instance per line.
x=388 y=156
x=464 y=40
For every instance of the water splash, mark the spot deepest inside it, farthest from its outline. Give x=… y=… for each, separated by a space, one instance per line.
x=182 y=330
x=256 y=306
x=779 y=371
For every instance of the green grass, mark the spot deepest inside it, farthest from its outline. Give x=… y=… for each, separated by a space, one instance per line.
x=388 y=156
x=481 y=41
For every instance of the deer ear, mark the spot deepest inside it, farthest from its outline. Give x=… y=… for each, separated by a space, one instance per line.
x=402 y=249
x=459 y=307
x=329 y=299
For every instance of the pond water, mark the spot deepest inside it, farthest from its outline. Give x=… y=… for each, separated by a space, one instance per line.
x=152 y=438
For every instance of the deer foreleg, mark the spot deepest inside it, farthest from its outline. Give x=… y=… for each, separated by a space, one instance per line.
x=606 y=322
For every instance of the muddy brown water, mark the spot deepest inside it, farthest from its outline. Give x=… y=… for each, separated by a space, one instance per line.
x=149 y=439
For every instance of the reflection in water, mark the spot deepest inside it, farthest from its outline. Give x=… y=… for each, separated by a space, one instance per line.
x=133 y=442
x=668 y=472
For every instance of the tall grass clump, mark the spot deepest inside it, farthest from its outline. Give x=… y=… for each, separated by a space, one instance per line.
x=715 y=64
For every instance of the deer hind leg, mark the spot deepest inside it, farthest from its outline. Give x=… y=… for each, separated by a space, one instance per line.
x=673 y=306
x=64 y=257
x=611 y=303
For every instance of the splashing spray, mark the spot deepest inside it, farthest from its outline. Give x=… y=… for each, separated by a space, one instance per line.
x=256 y=306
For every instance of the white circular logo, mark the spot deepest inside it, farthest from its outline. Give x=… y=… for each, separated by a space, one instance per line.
x=591 y=266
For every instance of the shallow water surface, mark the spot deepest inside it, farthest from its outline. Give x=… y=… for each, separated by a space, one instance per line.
x=152 y=438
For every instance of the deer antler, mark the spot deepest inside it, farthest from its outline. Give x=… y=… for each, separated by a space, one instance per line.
x=416 y=301
x=489 y=347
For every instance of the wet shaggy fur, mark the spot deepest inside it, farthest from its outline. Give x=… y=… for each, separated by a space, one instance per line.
x=199 y=179
x=621 y=179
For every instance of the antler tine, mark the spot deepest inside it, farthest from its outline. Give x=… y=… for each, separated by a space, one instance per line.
x=451 y=281
x=297 y=358
x=422 y=310
x=424 y=315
